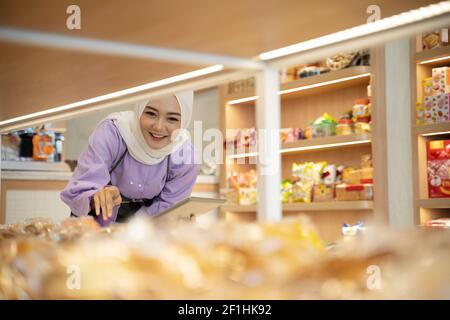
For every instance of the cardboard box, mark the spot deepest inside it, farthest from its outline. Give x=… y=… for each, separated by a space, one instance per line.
x=323 y=192
x=437 y=108
x=247 y=196
x=420 y=114
x=441 y=80
x=438 y=168
x=348 y=192
x=427 y=87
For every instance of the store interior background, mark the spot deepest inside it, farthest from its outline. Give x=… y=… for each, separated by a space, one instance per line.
x=36 y=78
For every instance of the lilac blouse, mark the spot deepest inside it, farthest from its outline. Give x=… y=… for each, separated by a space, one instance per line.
x=165 y=185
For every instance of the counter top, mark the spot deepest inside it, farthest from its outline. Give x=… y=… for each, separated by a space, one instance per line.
x=35 y=175
x=55 y=175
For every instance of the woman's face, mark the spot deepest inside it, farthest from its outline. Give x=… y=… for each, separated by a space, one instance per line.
x=159 y=120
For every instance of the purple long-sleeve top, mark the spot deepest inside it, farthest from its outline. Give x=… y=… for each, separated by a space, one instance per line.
x=166 y=185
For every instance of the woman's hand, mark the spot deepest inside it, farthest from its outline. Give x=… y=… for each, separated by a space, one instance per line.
x=105 y=200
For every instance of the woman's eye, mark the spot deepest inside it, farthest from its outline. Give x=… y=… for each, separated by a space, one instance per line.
x=174 y=119
x=151 y=113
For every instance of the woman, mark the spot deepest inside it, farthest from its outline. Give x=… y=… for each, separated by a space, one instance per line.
x=136 y=162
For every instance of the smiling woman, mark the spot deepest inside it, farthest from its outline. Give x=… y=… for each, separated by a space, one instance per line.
x=128 y=159
x=160 y=120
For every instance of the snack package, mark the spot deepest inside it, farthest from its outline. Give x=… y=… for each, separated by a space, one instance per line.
x=323 y=192
x=437 y=108
x=287 y=135
x=427 y=87
x=318 y=171
x=304 y=175
x=441 y=80
x=420 y=114
x=247 y=196
x=286 y=191
x=361 y=111
x=438 y=168
x=350 y=231
x=328 y=174
x=366 y=161
x=302 y=191
x=362 y=127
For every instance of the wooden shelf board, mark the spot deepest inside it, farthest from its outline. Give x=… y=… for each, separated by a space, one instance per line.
x=437 y=203
x=329 y=81
x=323 y=143
x=314 y=206
x=332 y=142
x=432 y=128
x=433 y=54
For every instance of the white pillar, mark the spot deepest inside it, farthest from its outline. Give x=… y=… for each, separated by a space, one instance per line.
x=268 y=124
x=398 y=115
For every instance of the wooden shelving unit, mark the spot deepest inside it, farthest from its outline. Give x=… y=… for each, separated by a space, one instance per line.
x=422 y=63
x=319 y=144
x=302 y=101
x=322 y=83
x=313 y=206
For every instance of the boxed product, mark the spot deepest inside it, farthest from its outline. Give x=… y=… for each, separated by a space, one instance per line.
x=362 y=127
x=366 y=175
x=420 y=114
x=351 y=176
x=366 y=161
x=437 y=108
x=438 y=168
x=427 y=87
x=349 y=192
x=441 y=80
x=323 y=192
x=246 y=196
x=230 y=195
x=435 y=39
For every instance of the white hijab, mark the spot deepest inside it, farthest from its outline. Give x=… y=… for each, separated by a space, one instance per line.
x=128 y=124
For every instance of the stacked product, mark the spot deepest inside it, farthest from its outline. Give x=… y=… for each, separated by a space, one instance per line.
x=357 y=183
x=242 y=188
x=323 y=182
x=438 y=168
x=435 y=107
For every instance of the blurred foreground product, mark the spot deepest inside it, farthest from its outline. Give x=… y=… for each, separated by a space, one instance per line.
x=284 y=260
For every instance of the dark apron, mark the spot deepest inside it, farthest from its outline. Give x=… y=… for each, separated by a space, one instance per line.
x=128 y=209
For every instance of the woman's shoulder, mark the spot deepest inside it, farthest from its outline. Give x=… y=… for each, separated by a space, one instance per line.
x=106 y=133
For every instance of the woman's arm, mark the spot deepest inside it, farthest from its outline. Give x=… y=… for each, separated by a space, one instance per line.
x=181 y=180
x=92 y=171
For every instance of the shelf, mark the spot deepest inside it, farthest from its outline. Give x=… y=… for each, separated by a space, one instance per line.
x=437 y=203
x=432 y=129
x=314 y=206
x=332 y=142
x=332 y=80
x=426 y=57
x=317 y=144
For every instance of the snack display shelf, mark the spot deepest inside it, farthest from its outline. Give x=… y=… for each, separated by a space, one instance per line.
x=422 y=64
x=436 y=203
x=432 y=129
x=330 y=81
x=313 y=206
x=318 y=144
x=433 y=56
